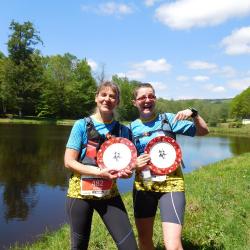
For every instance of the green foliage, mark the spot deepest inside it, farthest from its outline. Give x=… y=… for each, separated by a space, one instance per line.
x=23 y=69
x=240 y=106
x=212 y=111
x=126 y=110
x=235 y=125
x=61 y=86
x=23 y=38
x=3 y=87
x=69 y=89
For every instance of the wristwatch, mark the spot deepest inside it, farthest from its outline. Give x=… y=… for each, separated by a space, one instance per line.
x=194 y=112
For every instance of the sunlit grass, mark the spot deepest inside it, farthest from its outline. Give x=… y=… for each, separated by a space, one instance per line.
x=217 y=212
x=224 y=130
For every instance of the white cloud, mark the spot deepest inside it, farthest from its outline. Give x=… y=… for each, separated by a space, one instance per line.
x=152 y=66
x=109 y=8
x=141 y=69
x=201 y=65
x=185 y=14
x=121 y=74
x=135 y=75
x=182 y=78
x=219 y=89
x=240 y=84
x=214 y=88
x=228 y=71
x=92 y=64
x=238 y=42
x=150 y=3
x=187 y=97
x=112 y=8
x=159 y=86
x=201 y=78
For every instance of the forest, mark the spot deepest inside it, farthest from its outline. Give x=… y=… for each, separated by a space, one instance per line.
x=63 y=86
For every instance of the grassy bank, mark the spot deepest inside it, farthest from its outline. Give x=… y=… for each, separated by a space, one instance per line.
x=222 y=130
x=217 y=212
x=242 y=131
x=36 y=121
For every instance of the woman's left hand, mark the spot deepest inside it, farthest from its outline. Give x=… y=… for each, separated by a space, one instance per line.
x=142 y=161
x=125 y=174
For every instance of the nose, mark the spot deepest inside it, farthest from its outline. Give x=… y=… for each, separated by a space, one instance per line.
x=107 y=98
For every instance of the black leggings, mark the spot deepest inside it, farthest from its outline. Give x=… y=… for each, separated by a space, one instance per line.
x=114 y=215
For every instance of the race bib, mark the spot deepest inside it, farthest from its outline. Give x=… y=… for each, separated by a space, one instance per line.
x=95 y=186
x=158 y=178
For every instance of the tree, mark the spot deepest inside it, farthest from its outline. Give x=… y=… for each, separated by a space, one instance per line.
x=24 y=71
x=240 y=105
x=21 y=42
x=70 y=88
x=3 y=86
x=82 y=92
x=126 y=110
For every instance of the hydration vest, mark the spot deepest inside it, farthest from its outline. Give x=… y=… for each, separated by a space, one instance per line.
x=165 y=128
x=95 y=140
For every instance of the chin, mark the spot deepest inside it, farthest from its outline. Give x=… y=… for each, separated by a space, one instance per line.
x=147 y=114
x=107 y=111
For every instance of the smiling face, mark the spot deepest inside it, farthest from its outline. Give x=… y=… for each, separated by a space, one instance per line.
x=145 y=102
x=106 y=100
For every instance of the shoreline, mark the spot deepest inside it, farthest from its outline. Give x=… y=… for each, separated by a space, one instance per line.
x=220 y=131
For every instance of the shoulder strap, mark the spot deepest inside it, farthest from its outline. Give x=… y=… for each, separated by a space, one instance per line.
x=130 y=133
x=89 y=123
x=116 y=130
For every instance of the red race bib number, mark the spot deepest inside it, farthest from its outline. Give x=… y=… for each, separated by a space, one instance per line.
x=95 y=186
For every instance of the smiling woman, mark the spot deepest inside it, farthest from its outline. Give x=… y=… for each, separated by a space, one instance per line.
x=152 y=187
x=92 y=188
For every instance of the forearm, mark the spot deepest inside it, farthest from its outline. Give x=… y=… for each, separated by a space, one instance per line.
x=201 y=126
x=82 y=169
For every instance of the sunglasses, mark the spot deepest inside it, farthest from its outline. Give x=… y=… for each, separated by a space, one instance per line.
x=144 y=98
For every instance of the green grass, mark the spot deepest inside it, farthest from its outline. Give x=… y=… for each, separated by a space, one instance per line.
x=217 y=212
x=36 y=121
x=224 y=130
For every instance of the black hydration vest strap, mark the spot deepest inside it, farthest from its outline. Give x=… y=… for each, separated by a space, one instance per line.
x=165 y=127
x=95 y=140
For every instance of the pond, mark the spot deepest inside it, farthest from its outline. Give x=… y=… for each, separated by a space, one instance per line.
x=33 y=181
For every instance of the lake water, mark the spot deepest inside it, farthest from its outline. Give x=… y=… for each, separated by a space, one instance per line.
x=33 y=181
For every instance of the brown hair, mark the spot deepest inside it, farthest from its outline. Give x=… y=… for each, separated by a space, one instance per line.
x=142 y=85
x=109 y=84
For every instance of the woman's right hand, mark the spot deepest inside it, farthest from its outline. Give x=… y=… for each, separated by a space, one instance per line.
x=142 y=161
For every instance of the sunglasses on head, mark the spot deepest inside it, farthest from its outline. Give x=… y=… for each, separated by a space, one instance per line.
x=144 y=98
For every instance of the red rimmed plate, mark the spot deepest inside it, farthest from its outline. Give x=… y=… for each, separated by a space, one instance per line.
x=165 y=155
x=117 y=153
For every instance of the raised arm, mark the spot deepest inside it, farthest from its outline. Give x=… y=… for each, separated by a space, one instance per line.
x=201 y=126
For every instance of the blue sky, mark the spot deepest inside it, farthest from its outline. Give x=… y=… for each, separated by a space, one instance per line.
x=185 y=48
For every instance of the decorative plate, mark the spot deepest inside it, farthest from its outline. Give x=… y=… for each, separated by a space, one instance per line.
x=165 y=155
x=117 y=153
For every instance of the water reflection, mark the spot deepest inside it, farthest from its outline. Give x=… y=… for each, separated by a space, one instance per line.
x=30 y=155
x=33 y=181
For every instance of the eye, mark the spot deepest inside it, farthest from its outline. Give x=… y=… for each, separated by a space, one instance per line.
x=143 y=98
x=112 y=97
